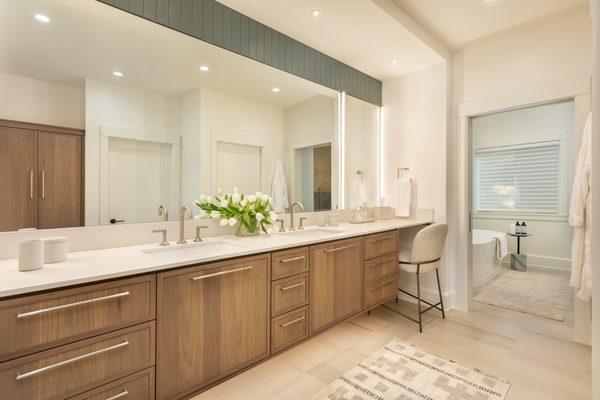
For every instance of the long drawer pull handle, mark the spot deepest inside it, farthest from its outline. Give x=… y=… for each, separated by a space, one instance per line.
x=119 y=396
x=382 y=240
x=382 y=286
x=71 y=360
x=339 y=248
x=292 y=322
x=283 y=289
x=31 y=184
x=197 y=278
x=79 y=303
x=379 y=264
x=287 y=260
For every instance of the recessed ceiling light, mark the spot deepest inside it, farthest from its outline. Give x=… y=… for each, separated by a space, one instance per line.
x=204 y=68
x=118 y=74
x=42 y=18
x=316 y=13
x=394 y=61
x=275 y=90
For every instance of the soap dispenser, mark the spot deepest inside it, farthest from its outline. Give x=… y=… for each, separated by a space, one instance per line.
x=518 y=228
x=523 y=228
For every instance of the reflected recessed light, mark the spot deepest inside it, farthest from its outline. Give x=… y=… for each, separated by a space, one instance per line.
x=275 y=90
x=118 y=74
x=204 y=68
x=42 y=18
x=394 y=61
x=316 y=13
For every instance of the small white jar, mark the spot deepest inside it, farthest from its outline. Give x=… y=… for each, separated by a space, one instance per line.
x=55 y=249
x=31 y=255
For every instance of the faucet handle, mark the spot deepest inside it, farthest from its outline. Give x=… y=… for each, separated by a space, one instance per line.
x=302 y=219
x=198 y=229
x=281 y=222
x=163 y=242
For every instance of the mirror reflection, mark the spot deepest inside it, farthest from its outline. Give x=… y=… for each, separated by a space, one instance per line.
x=107 y=118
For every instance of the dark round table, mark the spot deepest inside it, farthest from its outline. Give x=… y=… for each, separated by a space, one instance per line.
x=518 y=261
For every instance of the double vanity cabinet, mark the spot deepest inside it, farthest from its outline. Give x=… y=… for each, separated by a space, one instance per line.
x=171 y=334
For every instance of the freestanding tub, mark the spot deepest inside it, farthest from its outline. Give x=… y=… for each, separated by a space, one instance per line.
x=486 y=265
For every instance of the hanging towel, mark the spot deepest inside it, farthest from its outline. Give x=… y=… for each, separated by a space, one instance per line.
x=403 y=197
x=357 y=194
x=580 y=213
x=501 y=245
x=278 y=190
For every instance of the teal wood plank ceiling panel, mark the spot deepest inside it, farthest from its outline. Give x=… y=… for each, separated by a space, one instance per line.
x=212 y=22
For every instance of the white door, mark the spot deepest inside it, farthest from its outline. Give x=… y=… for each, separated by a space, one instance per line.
x=238 y=165
x=138 y=176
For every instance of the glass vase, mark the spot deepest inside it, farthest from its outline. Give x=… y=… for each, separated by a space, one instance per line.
x=241 y=230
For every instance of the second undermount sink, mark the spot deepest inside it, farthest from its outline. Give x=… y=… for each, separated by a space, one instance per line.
x=317 y=233
x=192 y=249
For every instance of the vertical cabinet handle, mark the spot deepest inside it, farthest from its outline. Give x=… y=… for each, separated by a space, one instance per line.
x=31 y=184
x=43 y=184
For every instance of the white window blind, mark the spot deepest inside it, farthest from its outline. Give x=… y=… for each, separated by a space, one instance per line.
x=518 y=178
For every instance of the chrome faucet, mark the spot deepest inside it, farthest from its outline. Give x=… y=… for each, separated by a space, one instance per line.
x=182 y=212
x=162 y=210
x=296 y=203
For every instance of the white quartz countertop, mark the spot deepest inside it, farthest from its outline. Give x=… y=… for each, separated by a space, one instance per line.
x=97 y=265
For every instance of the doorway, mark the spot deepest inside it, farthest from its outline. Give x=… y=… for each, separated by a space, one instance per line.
x=522 y=171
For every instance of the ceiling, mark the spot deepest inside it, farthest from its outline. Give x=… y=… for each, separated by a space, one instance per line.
x=456 y=22
x=88 y=39
x=356 y=32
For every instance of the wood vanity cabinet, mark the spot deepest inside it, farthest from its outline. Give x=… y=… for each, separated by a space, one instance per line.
x=336 y=282
x=212 y=321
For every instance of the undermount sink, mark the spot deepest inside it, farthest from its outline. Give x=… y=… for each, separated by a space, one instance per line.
x=191 y=249
x=312 y=233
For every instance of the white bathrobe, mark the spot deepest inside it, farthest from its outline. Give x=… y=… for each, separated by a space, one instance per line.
x=580 y=218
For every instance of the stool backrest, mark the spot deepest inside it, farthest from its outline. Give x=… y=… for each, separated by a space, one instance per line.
x=428 y=243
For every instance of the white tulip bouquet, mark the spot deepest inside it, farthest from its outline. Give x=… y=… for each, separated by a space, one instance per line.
x=250 y=214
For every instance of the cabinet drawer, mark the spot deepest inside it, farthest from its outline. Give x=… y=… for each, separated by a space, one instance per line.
x=77 y=367
x=38 y=322
x=381 y=290
x=138 y=386
x=288 y=263
x=380 y=267
x=288 y=329
x=381 y=244
x=288 y=294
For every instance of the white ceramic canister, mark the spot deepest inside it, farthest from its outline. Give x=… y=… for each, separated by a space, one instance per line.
x=55 y=249
x=31 y=255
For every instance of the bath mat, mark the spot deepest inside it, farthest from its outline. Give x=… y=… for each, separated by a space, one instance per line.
x=542 y=294
x=401 y=371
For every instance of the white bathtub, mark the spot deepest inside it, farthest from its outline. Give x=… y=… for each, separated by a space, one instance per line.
x=486 y=265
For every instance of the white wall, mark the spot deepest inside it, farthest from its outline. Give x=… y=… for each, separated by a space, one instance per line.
x=550 y=245
x=142 y=115
x=308 y=124
x=191 y=142
x=236 y=120
x=414 y=136
x=42 y=102
x=547 y=51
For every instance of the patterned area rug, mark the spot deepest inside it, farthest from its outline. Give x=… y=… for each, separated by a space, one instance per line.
x=400 y=371
x=542 y=294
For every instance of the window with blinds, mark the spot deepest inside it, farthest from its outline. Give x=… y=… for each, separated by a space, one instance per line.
x=518 y=178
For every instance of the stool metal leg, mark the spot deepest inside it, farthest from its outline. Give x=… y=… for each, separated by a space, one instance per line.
x=419 y=300
x=437 y=275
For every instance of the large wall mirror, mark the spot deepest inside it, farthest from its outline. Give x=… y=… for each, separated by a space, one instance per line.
x=106 y=116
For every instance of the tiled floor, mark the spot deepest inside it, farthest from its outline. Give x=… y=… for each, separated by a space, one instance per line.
x=531 y=354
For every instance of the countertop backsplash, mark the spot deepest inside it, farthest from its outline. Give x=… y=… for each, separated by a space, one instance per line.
x=109 y=236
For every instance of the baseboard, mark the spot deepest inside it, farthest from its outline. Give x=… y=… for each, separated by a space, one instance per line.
x=534 y=260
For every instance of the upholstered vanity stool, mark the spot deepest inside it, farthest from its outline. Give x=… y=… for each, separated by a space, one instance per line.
x=422 y=258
